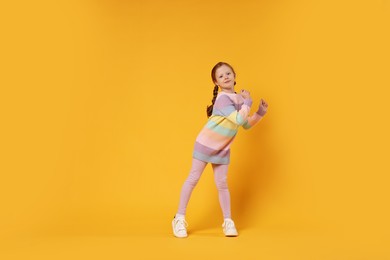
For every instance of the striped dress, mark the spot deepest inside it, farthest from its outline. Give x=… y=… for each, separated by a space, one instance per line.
x=230 y=111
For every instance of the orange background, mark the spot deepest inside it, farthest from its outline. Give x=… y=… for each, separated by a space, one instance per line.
x=101 y=102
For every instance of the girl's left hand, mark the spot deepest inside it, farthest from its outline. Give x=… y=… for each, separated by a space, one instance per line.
x=263 y=107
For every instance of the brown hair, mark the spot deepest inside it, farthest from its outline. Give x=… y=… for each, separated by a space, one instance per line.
x=209 y=109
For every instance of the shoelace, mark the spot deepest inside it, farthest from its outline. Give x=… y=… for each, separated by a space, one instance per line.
x=228 y=225
x=180 y=224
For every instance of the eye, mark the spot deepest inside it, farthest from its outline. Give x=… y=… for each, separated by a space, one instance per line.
x=228 y=73
x=220 y=76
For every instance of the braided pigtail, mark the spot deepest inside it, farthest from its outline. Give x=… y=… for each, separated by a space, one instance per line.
x=210 y=108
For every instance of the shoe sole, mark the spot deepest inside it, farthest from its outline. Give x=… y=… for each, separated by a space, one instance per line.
x=231 y=235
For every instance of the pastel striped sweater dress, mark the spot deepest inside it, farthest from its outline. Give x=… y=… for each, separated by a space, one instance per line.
x=230 y=111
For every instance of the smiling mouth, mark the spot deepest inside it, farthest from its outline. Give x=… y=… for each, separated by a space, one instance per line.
x=227 y=81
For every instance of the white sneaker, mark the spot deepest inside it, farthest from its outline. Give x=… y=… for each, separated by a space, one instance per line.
x=229 y=229
x=179 y=226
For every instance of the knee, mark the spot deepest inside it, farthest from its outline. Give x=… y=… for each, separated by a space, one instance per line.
x=192 y=180
x=222 y=184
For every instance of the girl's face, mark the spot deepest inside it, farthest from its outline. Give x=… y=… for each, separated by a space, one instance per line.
x=225 y=78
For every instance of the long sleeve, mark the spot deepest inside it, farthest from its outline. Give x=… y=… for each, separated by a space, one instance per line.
x=225 y=107
x=252 y=120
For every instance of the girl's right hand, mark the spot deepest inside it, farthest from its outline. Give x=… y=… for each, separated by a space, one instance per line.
x=247 y=97
x=245 y=94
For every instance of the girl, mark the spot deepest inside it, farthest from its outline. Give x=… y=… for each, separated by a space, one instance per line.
x=228 y=111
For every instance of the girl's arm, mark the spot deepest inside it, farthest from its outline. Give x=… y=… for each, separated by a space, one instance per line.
x=225 y=107
x=252 y=121
x=255 y=118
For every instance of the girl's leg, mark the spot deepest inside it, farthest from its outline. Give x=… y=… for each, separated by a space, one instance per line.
x=190 y=183
x=220 y=176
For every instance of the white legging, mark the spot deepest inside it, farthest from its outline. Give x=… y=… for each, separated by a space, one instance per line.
x=220 y=177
